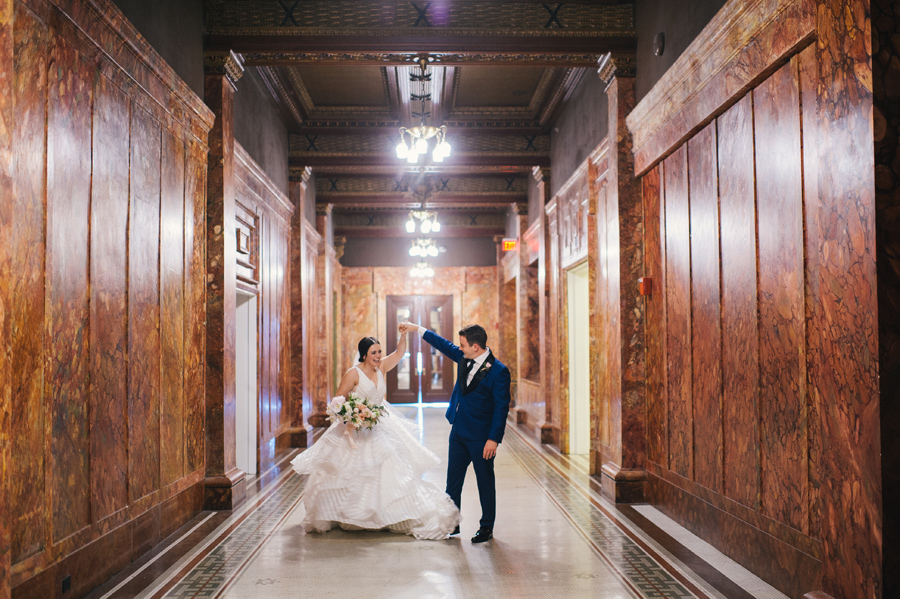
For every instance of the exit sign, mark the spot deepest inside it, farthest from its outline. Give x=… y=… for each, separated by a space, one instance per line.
x=509 y=245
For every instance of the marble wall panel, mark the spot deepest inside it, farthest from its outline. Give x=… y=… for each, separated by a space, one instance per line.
x=67 y=356
x=529 y=356
x=360 y=311
x=706 y=332
x=195 y=298
x=7 y=200
x=143 y=308
x=782 y=365
x=601 y=316
x=261 y=201
x=23 y=287
x=886 y=62
x=479 y=300
x=171 y=282
x=610 y=414
x=80 y=263
x=740 y=343
x=551 y=432
x=655 y=271
x=840 y=211
x=508 y=342
x=678 y=314
x=109 y=300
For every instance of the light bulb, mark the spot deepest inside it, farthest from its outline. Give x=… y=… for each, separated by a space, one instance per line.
x=412 y=157
x=435 y=226
x=412 y=251
x=410 y=226
x=402 y=150
x=432 y=251
x=437 y=156
x=421 y=145
x=429 y=272
x=426 y=226
x=445 y=148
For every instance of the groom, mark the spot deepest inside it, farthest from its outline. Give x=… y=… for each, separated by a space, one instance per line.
x=478 y=408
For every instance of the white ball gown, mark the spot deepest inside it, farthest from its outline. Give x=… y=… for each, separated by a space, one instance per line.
x=372 y=479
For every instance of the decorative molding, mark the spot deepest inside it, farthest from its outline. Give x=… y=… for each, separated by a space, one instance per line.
x=289 y=103
x=229 y=64
x=324 y=209
x=563 y=92
x=616 y=65
x=738 y=48
x=545 y=59
x=274 y=198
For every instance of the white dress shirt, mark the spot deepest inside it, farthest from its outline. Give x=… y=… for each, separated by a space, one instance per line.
x=478 y=361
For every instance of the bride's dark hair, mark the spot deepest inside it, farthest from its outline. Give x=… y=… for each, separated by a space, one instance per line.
x=364 y=344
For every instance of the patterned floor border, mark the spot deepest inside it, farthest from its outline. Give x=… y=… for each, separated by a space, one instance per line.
x=640 y=572
x=643 y=575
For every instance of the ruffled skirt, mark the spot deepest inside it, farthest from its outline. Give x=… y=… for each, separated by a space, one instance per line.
x=372 y=480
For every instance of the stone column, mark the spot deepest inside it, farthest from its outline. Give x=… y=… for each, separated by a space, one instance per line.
x=623 y=476
x=300 y=431
x=542 y=178
x=319 y=333
x=224 y=482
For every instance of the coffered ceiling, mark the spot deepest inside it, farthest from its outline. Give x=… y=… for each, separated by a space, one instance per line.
x=498 y=72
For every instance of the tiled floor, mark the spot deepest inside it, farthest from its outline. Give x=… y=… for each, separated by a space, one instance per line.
x=554 y=537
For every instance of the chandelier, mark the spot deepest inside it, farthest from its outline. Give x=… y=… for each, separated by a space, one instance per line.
x=419 y=136
x=425 y=247
x=428 y=222
x=421 y=270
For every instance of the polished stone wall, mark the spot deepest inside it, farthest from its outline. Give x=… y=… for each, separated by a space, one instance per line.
x=103 y=297
x=762 y=391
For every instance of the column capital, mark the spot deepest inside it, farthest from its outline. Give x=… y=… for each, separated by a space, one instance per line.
x=340 y=242
x=229 y=64
x=611 y=66
x=521 y=208
x=300 y=174
x=324 y=209
x=541 y=173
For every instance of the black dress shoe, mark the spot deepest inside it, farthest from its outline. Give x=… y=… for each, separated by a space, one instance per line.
x=455 y=531
x=483 y=534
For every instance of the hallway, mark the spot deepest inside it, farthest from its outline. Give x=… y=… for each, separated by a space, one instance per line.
x=555 y=537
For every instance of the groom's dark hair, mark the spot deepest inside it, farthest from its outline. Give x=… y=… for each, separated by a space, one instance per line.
x=475 y=335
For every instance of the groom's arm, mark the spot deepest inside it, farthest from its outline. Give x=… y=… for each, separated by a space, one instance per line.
x=501 y=395
x=442 y=345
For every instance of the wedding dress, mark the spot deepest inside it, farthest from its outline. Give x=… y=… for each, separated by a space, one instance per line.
x=372 y=479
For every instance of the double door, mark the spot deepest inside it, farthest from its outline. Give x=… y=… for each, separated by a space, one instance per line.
x=424 y=374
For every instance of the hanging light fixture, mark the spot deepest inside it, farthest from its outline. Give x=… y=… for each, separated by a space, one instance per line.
x=425 y=247
x=420 y=135
x=421 y=270
x=428 y=222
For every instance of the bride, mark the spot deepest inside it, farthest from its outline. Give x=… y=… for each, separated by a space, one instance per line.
x=372 y=479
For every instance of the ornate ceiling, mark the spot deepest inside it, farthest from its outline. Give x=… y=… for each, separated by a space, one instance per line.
x=499 y=73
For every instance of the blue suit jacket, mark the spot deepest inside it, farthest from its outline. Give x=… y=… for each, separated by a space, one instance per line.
x=477 y=412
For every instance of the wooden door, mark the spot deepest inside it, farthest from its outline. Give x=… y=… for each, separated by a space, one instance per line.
x=424 y=374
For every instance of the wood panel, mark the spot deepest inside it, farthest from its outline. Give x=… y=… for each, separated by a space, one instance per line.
x=706 y=332
x=109 y=301
x=171 y=281
x=740 y=344
x=655 y=271
x=143 y=308
x=67 y=357
x=23 y=281
x=782 y=364
x=678 y=314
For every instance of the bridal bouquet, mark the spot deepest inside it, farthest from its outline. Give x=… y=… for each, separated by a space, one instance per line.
x=354 y=411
